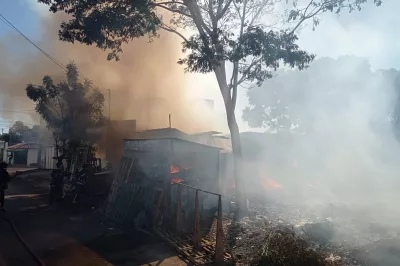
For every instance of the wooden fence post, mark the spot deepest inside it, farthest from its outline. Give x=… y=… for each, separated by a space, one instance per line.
x=219 y=246
x=179 y=210
x=196 y=233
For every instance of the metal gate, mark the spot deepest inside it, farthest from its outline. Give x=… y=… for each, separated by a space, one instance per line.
x=49 y=161
x=188 y=234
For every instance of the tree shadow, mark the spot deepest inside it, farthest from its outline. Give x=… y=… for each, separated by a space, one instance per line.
x=57 y=234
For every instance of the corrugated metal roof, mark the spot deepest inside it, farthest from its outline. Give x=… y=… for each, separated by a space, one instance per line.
x=23 y=146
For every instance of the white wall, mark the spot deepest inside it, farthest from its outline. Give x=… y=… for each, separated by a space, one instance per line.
x=49 y=154
x=32 y=157
x=4 y=154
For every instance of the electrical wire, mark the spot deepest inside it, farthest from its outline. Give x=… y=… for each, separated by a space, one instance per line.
x=4 y=20
x=18 y=111
x=58 y=63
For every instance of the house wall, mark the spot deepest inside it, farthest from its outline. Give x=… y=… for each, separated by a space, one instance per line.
x=32 y=157
x=203 y=160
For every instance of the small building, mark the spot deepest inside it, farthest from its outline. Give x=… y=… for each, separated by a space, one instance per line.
x=152 y=164
x=24 y=154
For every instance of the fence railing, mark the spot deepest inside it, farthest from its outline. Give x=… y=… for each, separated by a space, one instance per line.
x=219 y=255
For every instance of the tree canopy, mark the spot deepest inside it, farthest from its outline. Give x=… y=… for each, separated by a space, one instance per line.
x=69 y=108
x=5 y=137
x=20 y=132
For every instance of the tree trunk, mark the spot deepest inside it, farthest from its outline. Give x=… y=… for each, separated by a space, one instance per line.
x=240 y=185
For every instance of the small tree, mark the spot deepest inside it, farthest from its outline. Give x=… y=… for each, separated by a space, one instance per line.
x=69 y=108
x=18 y=131
x=5 y=137
x=225 y=36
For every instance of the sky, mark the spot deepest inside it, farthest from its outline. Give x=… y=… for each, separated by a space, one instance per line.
x=371 y=33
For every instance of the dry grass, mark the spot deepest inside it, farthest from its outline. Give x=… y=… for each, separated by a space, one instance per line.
x=284 y=248
x=261 y=243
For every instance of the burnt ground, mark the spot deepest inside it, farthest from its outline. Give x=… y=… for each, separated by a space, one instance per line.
x=70 y=237
x=289 y=236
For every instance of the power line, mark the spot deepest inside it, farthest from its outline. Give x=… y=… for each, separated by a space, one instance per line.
x=4 y=20
x=18 y=111
x=58 y=63
x=5 y=122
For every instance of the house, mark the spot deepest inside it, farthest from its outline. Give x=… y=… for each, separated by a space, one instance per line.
x=24 y=154
x=148 y=164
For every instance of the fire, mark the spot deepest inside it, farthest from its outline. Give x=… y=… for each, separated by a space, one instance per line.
x=176 y=180
x=174 y=169
x=177 y=168
x=270 y=184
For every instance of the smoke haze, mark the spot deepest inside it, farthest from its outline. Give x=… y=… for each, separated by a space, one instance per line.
x=146 y=84
x=345 y=149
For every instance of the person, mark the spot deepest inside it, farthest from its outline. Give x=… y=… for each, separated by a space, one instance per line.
x=4 y=179
x=10 y=159
x=57 y=182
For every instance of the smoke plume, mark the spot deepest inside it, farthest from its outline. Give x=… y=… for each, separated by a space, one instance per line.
x=146 y=84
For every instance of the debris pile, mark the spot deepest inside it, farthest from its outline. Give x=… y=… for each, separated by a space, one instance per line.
x=286 y=235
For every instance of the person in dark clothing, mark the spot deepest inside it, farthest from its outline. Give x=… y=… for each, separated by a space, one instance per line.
x=10 y=159
x=4 y=179
x=57 y=182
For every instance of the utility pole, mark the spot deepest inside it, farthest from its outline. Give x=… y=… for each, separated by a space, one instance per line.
x=40 y=145
x=109 y=104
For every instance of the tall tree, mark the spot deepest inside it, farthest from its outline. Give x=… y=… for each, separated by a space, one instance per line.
x=69 y=108
x=225 y=36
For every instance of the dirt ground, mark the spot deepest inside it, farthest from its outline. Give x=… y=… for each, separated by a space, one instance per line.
x=70 y=237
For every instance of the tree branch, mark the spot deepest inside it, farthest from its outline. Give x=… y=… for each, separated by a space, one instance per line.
x=198 y=19
x=211 y=11
x=224 y=9
x=169 y=3
x=169 y=29
x=247 y=71
x=259 y=11
x=313 y=13
x=235 y=72
x=171 y=9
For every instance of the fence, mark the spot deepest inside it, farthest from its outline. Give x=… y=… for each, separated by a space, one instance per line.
x=183 y=215
x=171 y=224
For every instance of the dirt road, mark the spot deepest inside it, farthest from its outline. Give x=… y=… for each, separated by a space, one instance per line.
x=60 y=237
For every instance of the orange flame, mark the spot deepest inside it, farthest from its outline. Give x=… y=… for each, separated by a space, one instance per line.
x=270 y=184
x=174 y=169
x=176 y=180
